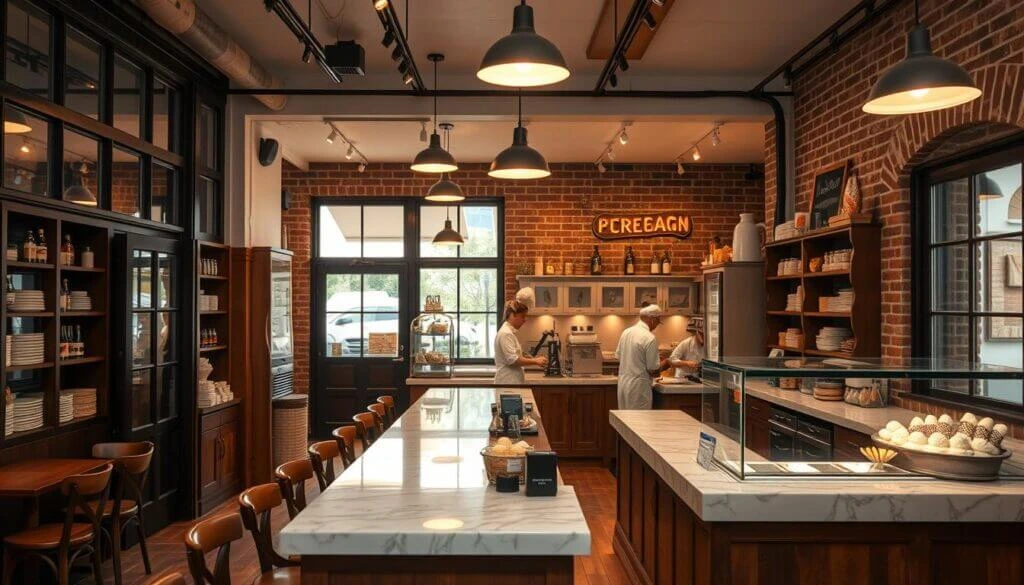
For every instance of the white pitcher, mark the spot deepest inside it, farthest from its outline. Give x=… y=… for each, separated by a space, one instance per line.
x=746 y=239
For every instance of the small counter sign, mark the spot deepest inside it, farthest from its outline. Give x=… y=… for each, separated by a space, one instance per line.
x=620 y=226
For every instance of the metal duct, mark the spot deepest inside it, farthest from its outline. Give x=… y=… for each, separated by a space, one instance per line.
x=204 y=36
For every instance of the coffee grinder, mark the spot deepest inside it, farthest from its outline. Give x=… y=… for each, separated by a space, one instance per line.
x=554 y=367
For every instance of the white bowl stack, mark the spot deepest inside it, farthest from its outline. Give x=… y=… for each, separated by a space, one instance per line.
x=786 y=230
x=830 y=338
x=7 y=350
x=67 y=407
x=81 y=301
x=27 y=349
x=841 y=303
x=26 y=301
x=84 y=402
x=28 y=412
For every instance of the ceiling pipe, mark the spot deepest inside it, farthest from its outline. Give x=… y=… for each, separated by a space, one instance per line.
x=196 y=29
x=625 y=37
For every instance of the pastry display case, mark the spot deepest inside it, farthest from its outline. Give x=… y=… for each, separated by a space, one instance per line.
x=432 y=340
x=767 y=417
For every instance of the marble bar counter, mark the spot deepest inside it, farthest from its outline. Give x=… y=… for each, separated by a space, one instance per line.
x=418 y=502
x=532 y=379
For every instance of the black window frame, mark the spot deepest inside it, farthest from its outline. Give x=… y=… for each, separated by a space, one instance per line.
x=964 y=165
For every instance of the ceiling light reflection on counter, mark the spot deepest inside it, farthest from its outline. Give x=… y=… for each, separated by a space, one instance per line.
x=443 y=524
x=523 y=58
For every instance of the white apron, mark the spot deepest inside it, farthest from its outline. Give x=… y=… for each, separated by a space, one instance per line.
x=638 y=354
x=507 y=352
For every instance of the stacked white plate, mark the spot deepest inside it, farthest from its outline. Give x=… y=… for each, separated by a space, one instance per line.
x=28 y=300
x=786 y=230
x=793 y=335
x=80 y=301
x=795 y=300
x=841 y=303
x=830 y=338
x=28 y=412
x=8 y=419
x=27 y=349
x=7 y=350
x=66 y=411
x=84 y=402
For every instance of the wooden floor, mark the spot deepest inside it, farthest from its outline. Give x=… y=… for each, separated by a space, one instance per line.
x=594 y=485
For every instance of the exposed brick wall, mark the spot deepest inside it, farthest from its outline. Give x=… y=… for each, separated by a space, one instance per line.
x=987 y=38
x=550 y=217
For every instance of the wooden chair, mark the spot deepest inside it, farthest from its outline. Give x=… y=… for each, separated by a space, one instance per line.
x=292 y=476
x=131 y=467
x=257 y=505
x=389 y=404
x=207 y=535
x=346 y=439
x=66 y=541
x=366 y=428
x=322 y=455
x=380 y=413
x=174 y=578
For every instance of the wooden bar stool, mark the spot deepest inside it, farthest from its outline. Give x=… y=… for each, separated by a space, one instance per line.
x=380 y=414
x=292 y=476
x=322 y=455
x=131 y=467
x=256 y=505
x=214 y=534
x=366 y=428
x=389 y=404
x=60 y=544
x=346 y=438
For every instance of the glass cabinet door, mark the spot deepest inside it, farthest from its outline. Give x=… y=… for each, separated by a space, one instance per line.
x=643 y=295
x=680 y=298
x=612 y=298
x=712 y=316
x=580 y=299
x=547 y=297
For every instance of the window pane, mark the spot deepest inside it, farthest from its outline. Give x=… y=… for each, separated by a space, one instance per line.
x=950 y=278
x=340 y=231
x=480 y=227
x=478 y=289
x=82 y=74
x=344 y=334
x=432 y=221
x=141 y=335
x=126 y=182
x=142 y=272
x=950 y=213
x=383 y=231
x=166 y=338
x=476 y=335
x=25 y=152
x=162 y=194
x=208 y=206
x=28 y=47
x=994 y=190
x=141 y=398
x=207 y=137
x=81 y=154
x=442 y=282
x=382 y=330
x=1001 y=345
x=1000 y=288
x=167 y=391
x=380 y=292
x=951 y=338
x=165 y=280
x=127 y=96
x=343 y=292
x=163 y=109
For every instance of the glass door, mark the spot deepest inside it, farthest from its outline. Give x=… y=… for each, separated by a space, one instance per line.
x=713 y=312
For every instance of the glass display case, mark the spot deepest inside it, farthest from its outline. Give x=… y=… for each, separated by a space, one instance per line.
x=432 y=339
x=782 y=417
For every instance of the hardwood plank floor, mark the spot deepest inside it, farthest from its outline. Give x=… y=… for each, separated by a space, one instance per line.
x=595 y=488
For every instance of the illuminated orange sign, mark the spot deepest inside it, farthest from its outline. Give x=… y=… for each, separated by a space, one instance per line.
x=619 y=226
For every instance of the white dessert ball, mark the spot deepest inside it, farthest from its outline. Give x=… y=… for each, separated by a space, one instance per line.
x=916 y=422
x=893 y=425
x=938 y=440
x=978 y=444
x=945 y=418
x=968 y=417
x=960 y=441
x=918 y=438
x=987 y=422
x=930 y=419
x=991 y=449
x=900 y=436
x=885 y=434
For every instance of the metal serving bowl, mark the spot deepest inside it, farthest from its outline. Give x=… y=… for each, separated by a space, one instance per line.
x=946 y=465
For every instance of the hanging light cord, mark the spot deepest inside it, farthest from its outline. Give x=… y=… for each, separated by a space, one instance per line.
x=917 y=13
x=435 y=97
x=521 y=106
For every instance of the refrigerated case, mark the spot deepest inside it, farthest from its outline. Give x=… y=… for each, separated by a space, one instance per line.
x=734 y=310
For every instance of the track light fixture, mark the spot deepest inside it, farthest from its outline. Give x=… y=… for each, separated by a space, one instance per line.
x=332 y=136
x=600 y=167
x=523 y=58
x=696 y=153
x=623 y=63
x=301 y=29
x=658 y=2
x=680 y=169
x=351 y=151
x=396 y=53
x=434 y=158
x=362 y=167
x=716 y=139
x=379 y=5
x=403 y=66
x=623 y=137
x=408 y=78
x=650 y=21
x=25 y=148
x=610 y=154
x=694 y=149
x=613 y=80
x=307 y=54
x=389 y=37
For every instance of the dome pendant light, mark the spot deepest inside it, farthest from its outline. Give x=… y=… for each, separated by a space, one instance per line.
x=519 y=161
x=448 y=236
x=434 y=158
x=921 y=82
x=445 y=190
x=15 y=122
x=523 y=58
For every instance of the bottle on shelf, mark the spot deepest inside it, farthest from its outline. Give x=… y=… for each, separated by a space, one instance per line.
x=203 y=338
x=88 y=257
x=28 y=248
x=67 y=251
x=596 y=266
x=64 y=343
x=630 y=264
x=666 y=264
x=655 y=264
x=42 y=254
x=65 y=296
x=79 y=344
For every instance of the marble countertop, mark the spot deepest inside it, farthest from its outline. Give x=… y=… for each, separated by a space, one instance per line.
x=421 y=489
x=679 y=388
x=667 y=441
x=532 y=379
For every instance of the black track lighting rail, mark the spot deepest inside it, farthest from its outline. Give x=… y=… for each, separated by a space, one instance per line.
x=498 y=93
x=830 y=40
x=313 y=48
x=634 y=20
x=391 y=25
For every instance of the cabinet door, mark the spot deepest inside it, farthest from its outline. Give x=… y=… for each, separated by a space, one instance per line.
x=548 y=298
x=612 y=299
x=642 y=295
x=759 y=438
x=555 y=416
x=580 y=299
x=589 y=418
x=227 y=465
x=679 y=298
x=208 y=452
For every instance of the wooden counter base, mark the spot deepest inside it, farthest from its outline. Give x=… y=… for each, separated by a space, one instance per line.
x=661 y=541
x=436 y=570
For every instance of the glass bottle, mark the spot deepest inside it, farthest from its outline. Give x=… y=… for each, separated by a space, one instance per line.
x=64 y=342
x=28 y=248
x=655 y=264
x=41 y=251
x=79 y=344
x=65 y=296
x=595 y=262
x=630 y=263
x=666 y=264
x=204 y=339
x=67 y=251
x=88 y=257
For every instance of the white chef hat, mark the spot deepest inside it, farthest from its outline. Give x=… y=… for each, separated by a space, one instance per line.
x=651 y=310
x=527 y=297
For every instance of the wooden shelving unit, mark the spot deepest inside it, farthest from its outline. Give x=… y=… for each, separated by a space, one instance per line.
x=863 y=276
x=54 y=374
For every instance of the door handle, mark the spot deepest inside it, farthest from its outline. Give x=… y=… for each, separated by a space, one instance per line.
x=399 y=360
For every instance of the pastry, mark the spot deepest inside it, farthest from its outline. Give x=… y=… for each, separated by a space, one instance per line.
x=885 y=434
x=961 y=442
x=947 y=428
x=893 y=425
x=915 y=424
x=917 y=438
x=900 y=436
x=979 y=444
x=968 y=417
x=930 y=419
x=937 y=439
x=966 y=427
x=998 y=432
x=945 y=418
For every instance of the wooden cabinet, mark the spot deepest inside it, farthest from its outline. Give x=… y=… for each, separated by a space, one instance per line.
x=575 y=419
x=756 y=427
x=556 y=416
x=847 y=443
x=688 y=403
x=587 y=407
x=612 y=295
x=218 y=457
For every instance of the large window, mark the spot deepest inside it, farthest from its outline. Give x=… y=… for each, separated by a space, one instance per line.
x=968 y=270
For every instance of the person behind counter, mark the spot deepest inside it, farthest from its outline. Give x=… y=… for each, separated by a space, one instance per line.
x=686 y=357
x=508 y=354
x=639 y=361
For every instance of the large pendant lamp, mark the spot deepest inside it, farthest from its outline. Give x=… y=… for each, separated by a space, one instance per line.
x=434 y=158
x=519 y=161
x=15 y=122
x=448 y=236
x=921 y=82
x=986 y=188
x=523 y=58
x=445 y=190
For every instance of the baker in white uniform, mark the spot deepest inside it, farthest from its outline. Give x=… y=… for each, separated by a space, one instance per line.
x=686 y=357
x=637 y=353
x=508 y=354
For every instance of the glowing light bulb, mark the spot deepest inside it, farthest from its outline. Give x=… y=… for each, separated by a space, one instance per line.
x=523 y=67
x=919 y=93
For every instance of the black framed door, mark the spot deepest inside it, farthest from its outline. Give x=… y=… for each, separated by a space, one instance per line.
x=149 y=362
x=361 y=331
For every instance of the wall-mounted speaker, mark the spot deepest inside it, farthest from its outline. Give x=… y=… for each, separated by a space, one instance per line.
x=267 y=151
x=286 y=200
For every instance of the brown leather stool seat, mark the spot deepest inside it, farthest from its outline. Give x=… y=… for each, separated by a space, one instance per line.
x=49 y=535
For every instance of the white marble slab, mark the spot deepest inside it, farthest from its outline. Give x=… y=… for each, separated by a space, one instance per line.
x=688 y=388
x=421 y=490
x=667 y=441
x=532 y=379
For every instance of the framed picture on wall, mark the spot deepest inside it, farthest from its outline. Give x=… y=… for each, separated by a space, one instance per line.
x=827 y=195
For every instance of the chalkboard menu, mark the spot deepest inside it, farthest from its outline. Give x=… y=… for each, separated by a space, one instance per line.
x=828 y=194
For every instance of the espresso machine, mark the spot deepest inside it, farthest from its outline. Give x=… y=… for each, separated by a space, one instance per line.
x=554 y=367
x=583 y=352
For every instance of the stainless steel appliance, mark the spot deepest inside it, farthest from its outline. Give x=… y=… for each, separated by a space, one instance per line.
x=734 y=310
x=583 y=353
